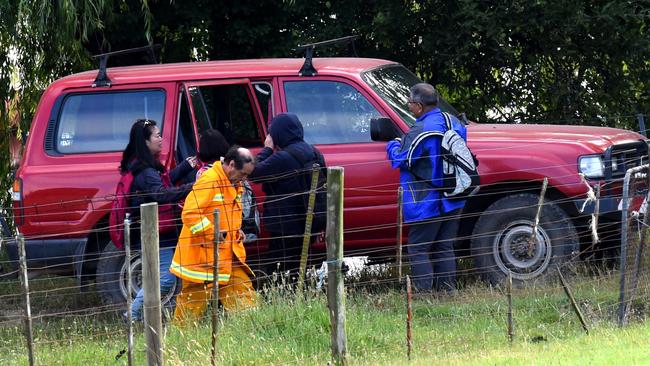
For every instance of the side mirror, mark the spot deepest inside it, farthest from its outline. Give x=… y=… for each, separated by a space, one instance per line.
x=383 y=129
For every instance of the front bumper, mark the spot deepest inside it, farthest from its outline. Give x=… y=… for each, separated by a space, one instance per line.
x=609 y=207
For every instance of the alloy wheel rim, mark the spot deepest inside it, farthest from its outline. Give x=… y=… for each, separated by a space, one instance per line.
x=513 y=252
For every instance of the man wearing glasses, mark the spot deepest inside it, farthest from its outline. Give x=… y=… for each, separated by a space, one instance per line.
x=432 y=218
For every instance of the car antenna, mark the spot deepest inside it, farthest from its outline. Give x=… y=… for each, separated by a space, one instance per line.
x=307 y=68
x=102 y=79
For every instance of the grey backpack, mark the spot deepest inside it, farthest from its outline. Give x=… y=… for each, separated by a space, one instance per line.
x=459 y=165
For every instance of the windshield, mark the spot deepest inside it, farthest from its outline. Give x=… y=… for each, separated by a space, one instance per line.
x=393 y=83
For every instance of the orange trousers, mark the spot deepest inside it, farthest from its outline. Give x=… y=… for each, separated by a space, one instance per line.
x=236 y=295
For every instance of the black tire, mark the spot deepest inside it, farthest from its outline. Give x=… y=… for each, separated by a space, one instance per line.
x=111 y=277
x=500 y=237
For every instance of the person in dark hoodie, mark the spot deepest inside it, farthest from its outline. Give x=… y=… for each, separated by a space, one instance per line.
x=153 y=183
x=281 y=170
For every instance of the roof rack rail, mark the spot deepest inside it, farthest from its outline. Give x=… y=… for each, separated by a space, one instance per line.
x=102 y=79
x=307 y=68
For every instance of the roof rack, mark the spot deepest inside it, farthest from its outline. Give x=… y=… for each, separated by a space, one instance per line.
x=102 y=79
x=307 y=68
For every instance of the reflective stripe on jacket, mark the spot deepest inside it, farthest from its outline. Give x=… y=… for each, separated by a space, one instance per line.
x=194 y=256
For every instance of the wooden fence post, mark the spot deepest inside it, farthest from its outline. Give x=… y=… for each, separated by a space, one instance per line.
x=400 y=219
x=215 y=287
x=409 y=318
x=29 y=334
x=540 y=203
x=308 y=223
x=335 y=286
x=574 y=304
x=511 y=322
x=151 y=283
x=129 y=300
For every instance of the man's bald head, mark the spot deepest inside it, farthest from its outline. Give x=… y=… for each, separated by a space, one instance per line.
x=238 y=163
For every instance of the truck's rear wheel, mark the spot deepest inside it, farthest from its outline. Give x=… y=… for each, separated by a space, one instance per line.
x=501 y=239
x=111 y=277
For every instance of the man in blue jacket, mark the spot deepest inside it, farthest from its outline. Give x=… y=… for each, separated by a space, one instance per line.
x=433 y=219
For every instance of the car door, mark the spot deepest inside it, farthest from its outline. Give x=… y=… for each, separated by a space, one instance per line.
x=231 y=107
x=335 y=113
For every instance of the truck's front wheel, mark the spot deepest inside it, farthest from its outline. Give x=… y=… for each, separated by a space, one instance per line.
x=112 y=277
x=501 y=241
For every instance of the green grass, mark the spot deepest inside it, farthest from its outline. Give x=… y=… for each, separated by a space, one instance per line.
x=468 y=329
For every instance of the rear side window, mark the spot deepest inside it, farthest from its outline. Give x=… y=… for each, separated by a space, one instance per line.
x=331 y=112
x=101 y=122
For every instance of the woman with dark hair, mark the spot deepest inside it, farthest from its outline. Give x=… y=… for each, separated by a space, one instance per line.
x=152 y=183
x=212 y=146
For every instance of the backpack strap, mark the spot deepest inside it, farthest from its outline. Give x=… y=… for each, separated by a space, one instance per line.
x=450 y=125
x=418 y=140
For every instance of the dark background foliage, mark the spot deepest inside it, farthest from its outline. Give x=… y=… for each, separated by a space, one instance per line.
x=579 y=62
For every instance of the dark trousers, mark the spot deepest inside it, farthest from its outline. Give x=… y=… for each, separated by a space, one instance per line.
x=284 y=255
x=431 y=252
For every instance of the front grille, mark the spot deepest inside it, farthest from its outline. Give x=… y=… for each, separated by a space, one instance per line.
x=620 y=158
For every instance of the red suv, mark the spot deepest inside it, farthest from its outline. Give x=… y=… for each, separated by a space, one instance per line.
x=62 y=192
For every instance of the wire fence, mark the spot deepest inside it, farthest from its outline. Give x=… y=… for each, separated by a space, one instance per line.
x=68 y=309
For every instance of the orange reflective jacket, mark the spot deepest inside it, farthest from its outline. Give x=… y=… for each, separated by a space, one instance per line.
x=194 y=256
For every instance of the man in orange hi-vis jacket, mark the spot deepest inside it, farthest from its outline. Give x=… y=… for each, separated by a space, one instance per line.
x=220 y=187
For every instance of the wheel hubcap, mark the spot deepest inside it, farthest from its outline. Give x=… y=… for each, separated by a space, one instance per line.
x=136 y=280
x=513 y=250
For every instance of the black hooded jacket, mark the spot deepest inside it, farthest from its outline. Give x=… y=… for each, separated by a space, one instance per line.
x=282 y=175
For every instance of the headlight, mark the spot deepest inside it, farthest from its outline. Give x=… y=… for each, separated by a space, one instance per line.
x=592 y=166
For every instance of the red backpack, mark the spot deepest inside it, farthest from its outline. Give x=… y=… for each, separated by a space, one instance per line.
x=119 y=210
x=166 y=216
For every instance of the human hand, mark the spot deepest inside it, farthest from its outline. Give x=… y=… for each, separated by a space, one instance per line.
x=192 y=161
x=242 y=235
x=268 y=142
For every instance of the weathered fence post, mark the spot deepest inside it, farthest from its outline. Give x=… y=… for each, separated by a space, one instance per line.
x=151 y=283
x=308 y=223
x=409 y=318
x=574 y=304
x=400 y=219
x=215 y=288
x=511 y=321
x=335 y=286
x=129 y=300
x=540 y=203
x=29 y=334
x=594 y=219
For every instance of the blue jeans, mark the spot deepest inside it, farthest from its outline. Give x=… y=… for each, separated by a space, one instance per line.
x=167 y=282
x=431 y=252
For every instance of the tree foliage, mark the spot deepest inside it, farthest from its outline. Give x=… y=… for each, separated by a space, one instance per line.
x=499 y=61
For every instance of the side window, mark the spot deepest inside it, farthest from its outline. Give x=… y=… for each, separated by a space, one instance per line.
x=331 y=112
x=101 y=122
x=264 y=94
x=228 y=109
x=185 y=141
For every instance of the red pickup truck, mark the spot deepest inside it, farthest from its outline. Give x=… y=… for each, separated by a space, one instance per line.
x=63 y=187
